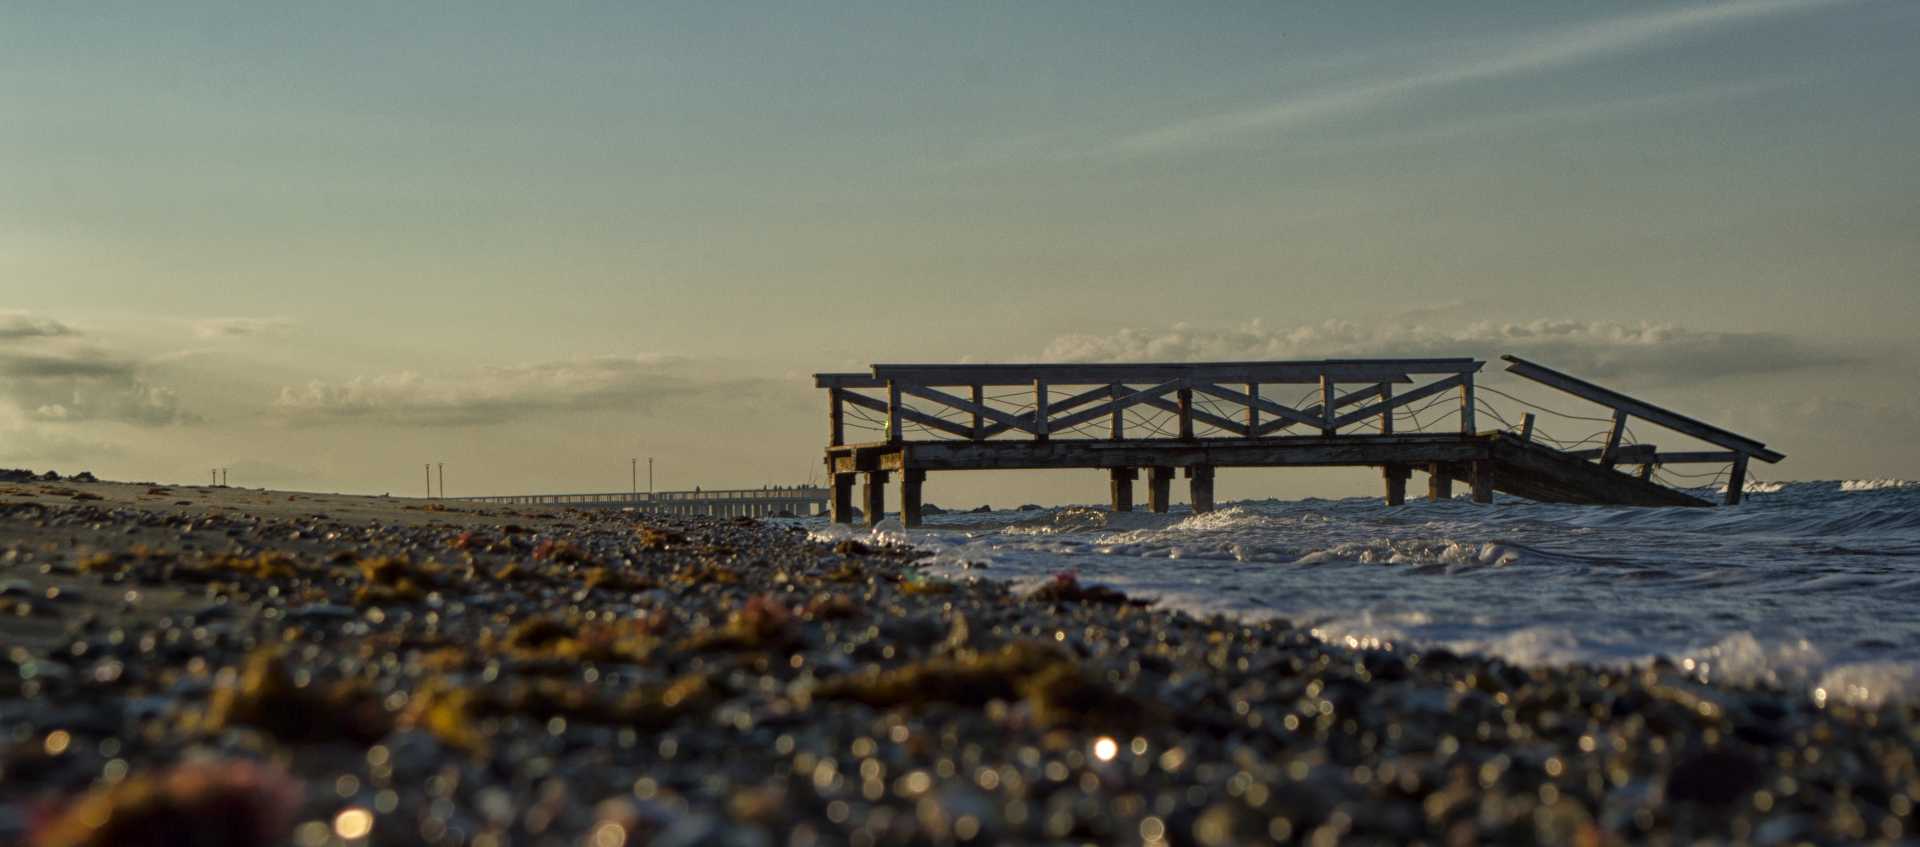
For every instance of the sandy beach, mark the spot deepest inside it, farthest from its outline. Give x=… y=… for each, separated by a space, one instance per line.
x=195 y=665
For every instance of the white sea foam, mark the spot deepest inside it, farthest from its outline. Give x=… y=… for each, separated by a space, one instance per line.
x=1875 y=484
x=1754 y=486
x=1801 y=589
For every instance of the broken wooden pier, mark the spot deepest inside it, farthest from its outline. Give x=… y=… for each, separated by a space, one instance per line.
x=1194 y=418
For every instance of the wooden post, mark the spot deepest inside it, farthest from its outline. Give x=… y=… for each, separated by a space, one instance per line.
x=1482 y=475
x=1039 y=410
x=1609 y=454
x=840 y=508
x=1646 y=472
x=1468 y=423
x=1186 y=413
x=1439 y=484
x=1396 y=479
x=1386 y=420
x=1737 y=480
x=1159 y=485
x=1200 y=487
x=1119 y=423
x=893 y=412
x=1526 y=427
x=1120 y=480
x=910 y=482
x=1253 y=410
x=875 y=496
x=836 y=420
x=979 y=399
x=1326 y=405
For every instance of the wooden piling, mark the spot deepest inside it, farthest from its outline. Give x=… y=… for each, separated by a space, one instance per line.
x=1481 y=473
x=910 y=481
x=874 y=493
x=1186 y=413
x=1737 y=481
x=1396 y=479
x=1200 y=487
x=1439 y=483
x=1159 y=486
x=1120 y=480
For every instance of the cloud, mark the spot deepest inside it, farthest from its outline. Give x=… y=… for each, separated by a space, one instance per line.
x=501 y=394
x=1647 y=352
x=1538 y=52
x=18 y=325
x=48 y=377
x=240 y=327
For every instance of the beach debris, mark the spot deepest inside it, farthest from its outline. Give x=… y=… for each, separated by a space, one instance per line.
x=1066 y=587
x=264 y=694
x=218 y=803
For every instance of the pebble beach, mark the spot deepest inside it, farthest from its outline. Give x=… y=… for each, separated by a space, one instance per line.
x=220 y=666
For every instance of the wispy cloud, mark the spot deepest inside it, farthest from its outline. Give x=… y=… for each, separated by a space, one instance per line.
x=1539 y=52
x=240 y=327
x=50 y=374
x=1649 y=352
x=16 y=325
x=501 y=394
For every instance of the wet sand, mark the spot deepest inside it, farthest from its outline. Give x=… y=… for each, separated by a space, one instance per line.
x=241 y=666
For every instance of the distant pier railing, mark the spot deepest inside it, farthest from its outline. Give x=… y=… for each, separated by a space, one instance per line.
x=797 y=500
x=1396 y=414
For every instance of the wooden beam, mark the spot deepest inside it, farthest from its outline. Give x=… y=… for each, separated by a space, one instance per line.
x=1737 y=481
x=1622 y=454
x=1610 y=454
x=1253 y=407
x=1640 y=409
x=1526 y=427
x=979 y=401
x=1040 y=409
x=847 y=380
x=1192 y=414
x=836 y=419
x=1159 y=487
x=1327 y=426
x=1305 y=372
x=1386 y=417
x=1304 y=451
x=1118 y=426
x=1468 y=414
x=1120 y=484
x=1006 y=420
x=1712 y=457
x=1184 y=411
x=1312 y=415
x=1115 y=406
x=1388 y=405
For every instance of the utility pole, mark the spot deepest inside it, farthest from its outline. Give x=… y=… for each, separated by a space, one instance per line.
x=214 y=477
x=649 y=476
x=429 y=480
x=636 y=476
x=223 y=477
x=443 y=478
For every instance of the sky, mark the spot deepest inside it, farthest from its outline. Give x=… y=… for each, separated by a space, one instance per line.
x=324 y=244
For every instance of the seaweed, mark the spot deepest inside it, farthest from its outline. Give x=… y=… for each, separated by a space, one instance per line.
x=1054 y=685
x=1066 y=587
x=265 y=696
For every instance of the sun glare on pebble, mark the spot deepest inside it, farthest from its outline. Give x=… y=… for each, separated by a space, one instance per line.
x=1105 y=749
x=353 y=823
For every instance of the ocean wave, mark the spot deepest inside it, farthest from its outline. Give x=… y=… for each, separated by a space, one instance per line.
x=1875 y=484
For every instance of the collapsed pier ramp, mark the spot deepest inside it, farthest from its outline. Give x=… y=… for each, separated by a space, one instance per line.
x=1400 y=415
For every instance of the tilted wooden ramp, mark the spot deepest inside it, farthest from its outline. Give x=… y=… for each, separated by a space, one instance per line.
x=1197 y=417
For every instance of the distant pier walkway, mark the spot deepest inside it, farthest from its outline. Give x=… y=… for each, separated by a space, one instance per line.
x=795 y=500
x=1400 y=415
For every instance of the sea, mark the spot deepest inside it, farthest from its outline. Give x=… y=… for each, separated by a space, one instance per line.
x=1808 y=586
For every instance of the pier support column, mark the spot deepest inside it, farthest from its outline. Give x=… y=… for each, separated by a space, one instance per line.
x=1159 y=485
x=840 y=506
x=1396 y=477
x=1482 y=475
x=910 y=481
x=875 y=494
x=1200 y=486
x=1737 y=480
x=1439 y=485
x=1121 y=481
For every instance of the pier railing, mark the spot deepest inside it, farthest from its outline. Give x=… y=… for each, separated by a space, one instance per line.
x=1736 y=449
x=798 y=499
x=1170 y=401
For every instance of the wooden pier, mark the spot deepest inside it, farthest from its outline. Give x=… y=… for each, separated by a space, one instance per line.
x=773 y=501
x=1196 y=418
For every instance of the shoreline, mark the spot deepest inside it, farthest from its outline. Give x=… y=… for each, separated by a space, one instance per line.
x=544 y=674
